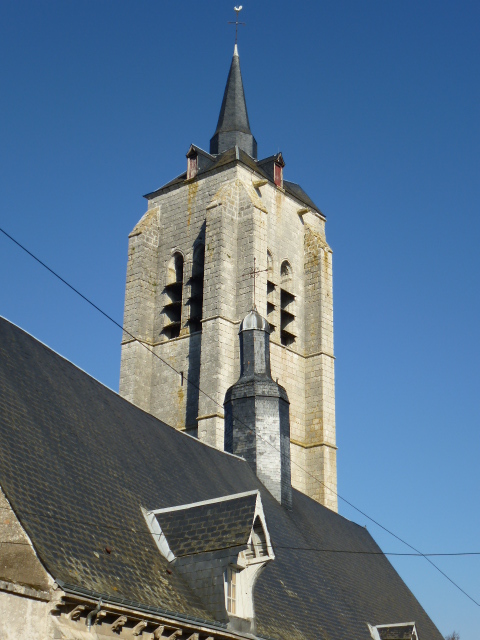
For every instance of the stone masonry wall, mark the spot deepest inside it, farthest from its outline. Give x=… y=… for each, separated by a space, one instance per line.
x=25 y=586
x=237 y=222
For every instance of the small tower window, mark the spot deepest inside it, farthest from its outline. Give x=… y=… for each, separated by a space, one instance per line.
x=259 y=540
x=173 y=302
x=192 y=167
x=231 y=590
x=192 y=163
x=257 y=547
x=286 y=271
x=196 y=290
x=278 y=174
x=287 y=305
x=278 y=165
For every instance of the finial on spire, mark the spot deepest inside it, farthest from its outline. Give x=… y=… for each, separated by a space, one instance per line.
x=236 y=23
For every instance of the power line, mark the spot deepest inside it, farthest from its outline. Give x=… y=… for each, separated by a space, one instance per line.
x=148 y=534
x=197 y=387
x=109 y=527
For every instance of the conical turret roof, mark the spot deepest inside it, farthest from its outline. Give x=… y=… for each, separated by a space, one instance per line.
x=233 y=127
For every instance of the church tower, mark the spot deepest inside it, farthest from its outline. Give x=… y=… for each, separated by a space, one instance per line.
x=190 y=285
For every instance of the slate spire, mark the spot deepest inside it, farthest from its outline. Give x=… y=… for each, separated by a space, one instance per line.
x=233 y=128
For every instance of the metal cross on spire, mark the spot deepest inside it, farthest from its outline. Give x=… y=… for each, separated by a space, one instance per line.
x=253 y=273
x=236 y=23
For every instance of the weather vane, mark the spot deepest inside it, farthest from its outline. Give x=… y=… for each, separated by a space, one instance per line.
x=253 y=273
x=236 y=23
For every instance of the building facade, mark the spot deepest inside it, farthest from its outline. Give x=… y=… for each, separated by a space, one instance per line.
x=190 y=283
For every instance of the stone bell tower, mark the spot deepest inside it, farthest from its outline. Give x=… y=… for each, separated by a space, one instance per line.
x=188 y=289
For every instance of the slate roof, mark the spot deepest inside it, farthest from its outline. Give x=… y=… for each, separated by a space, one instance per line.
x=233 y=127
x=236 y=154
x=208 y=527
x=78 y=463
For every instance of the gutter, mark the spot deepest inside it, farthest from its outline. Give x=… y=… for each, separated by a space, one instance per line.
x=131 y=604
x=93 y=614
x=137 y=607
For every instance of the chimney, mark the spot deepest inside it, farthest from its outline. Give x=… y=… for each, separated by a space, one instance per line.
x=257 y=412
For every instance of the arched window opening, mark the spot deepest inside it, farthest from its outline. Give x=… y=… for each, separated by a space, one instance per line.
x=287 y=305
x=257 y=547
x=286 y=271
x=173 y=291
x=196 y=295
x=270 y=293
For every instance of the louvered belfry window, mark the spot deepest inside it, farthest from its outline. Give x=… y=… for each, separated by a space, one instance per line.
x=196 y=283
x=173 y=298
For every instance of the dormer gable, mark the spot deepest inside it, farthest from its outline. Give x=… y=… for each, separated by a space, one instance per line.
x=198 y=160
x=219 y=546
x=397 y=631
x=273 y=167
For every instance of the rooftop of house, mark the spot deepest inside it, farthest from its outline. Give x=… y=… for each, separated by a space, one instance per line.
x=78 y=464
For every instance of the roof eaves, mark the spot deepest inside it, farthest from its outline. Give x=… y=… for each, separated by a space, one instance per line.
x=137 y=606
x=178 y=180
x=277 y=157
x=238 y=156
x=306 y=200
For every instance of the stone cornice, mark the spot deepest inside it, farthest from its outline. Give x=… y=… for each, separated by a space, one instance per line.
x=130 y=618
x=28 y=592
x=311 y=445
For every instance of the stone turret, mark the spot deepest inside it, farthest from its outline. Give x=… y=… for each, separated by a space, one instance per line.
x=233 y=127
x=257 y=420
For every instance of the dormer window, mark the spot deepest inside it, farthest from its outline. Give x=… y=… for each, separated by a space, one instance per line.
x=192 y=165
x=278 y=174
x=228 y=558
x=197 y=160
x=403 y=630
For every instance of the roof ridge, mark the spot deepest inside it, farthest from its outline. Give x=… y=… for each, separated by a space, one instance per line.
x=116 y=393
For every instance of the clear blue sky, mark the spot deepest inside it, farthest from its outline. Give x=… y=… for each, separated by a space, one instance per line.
x=375 y=106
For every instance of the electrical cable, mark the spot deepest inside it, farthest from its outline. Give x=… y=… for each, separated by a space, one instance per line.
x=314 y=549
x=90 y=525
x=195 y=386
